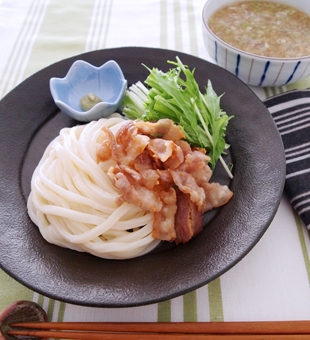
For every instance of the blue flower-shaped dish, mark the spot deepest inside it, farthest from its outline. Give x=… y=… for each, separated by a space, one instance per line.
x=107 y=82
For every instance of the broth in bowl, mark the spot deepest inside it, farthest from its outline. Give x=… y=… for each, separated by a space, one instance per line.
x=263 y=28
x=267 y=43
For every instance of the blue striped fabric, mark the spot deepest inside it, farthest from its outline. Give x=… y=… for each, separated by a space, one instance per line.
x=291 y=113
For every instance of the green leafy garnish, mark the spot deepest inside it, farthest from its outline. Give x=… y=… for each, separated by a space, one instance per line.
x=176 y=95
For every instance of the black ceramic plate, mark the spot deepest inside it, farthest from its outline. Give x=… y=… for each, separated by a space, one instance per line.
x=29 y=120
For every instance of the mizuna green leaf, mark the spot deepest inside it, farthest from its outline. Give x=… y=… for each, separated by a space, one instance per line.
x=176 y=95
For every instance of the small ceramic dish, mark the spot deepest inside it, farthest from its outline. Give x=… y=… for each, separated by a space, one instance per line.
x=106 y=83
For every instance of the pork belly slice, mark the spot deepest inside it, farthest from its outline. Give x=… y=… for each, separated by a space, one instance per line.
x=168 y=152
x=132 y=192
x=164 y=128
x=164 y=220
x=187 y=184
x=104 y=150
x=188 y=219
x=129 y=144
x=216 y=195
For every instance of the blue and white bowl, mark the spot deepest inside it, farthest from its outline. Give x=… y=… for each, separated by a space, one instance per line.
x=250 y=68
x=107 y=82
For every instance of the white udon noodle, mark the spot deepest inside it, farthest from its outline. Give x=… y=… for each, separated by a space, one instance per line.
x=72 y=199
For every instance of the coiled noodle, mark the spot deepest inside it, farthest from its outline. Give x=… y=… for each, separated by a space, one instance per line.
x=72 y=199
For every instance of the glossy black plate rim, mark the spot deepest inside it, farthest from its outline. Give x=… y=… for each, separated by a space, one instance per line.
x=79 y=278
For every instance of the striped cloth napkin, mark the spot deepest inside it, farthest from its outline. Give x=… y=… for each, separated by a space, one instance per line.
x=291 y=113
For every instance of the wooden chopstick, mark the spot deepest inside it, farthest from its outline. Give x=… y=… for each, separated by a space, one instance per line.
x=280 y=330
x=257 y=327
x=152 y=336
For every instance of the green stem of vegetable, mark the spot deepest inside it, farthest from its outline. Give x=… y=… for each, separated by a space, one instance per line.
x=211 y=140
x=225 y=167
x=202 y=122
